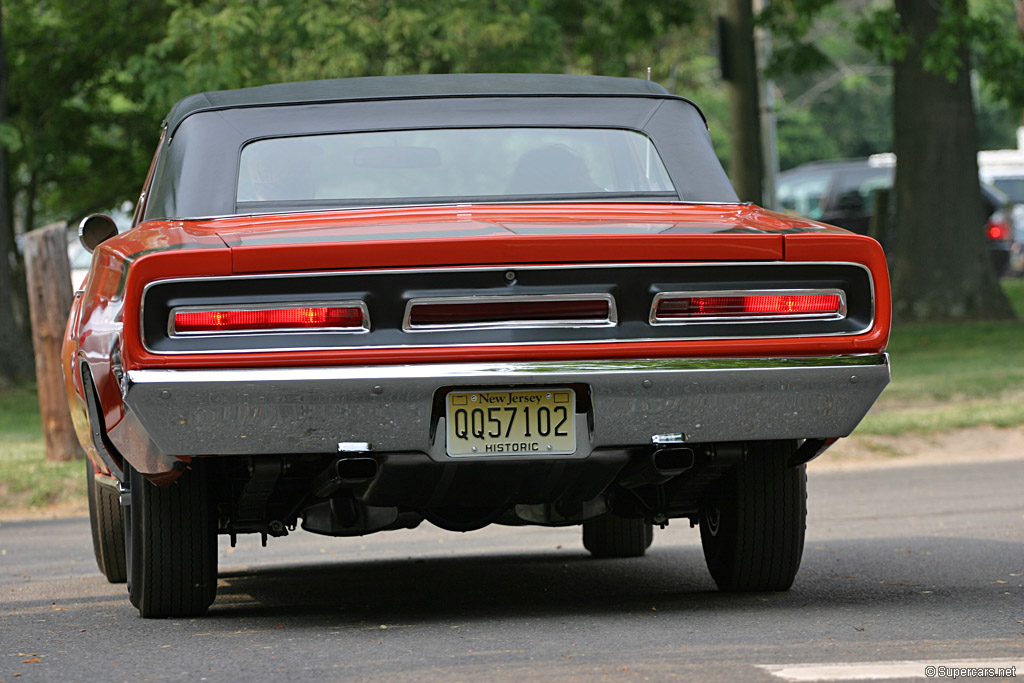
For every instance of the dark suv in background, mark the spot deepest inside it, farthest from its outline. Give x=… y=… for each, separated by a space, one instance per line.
x=839 y=192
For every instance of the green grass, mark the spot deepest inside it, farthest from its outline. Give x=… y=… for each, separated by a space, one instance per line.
x=949 y=376
x=27 y=480
x=943 y=377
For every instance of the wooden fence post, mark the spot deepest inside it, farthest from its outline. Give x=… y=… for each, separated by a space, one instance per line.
x=49 y=291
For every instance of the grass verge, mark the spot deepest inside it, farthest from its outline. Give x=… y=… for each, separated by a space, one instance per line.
x=27 y=480
x=949 y=376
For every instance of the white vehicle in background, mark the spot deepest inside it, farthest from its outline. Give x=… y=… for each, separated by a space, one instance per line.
x=79 y=258
x=1004 y=168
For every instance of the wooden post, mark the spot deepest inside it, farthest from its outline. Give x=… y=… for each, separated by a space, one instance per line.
x=50 y=296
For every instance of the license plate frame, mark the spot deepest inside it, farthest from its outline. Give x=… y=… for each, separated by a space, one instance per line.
x=510 y=422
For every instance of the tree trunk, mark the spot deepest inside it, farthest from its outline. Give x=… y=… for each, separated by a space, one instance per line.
x=15 y=352
x=739 y=66
x=49 y=283
x=941 y=265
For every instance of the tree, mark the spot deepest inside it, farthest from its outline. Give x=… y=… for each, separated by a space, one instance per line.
x=15 y=352
x=220 y=44
x=739 y=66
x=941 y=267
x=89 y=82
x=833 y=101
x=73 y=139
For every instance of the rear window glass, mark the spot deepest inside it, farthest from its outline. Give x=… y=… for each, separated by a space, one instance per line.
x=863 y=182
x=479 y=163
x=803 y=195
x=1012 y=186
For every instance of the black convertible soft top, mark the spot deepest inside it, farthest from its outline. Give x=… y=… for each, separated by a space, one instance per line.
x=408 y=87
x=197 y=167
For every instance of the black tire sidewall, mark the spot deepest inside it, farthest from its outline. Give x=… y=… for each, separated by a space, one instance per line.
x=179 y=577
x=762 y=510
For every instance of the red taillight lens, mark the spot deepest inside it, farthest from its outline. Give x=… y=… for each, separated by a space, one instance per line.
x=672 y=307
x=270 y=319
x=997 y=230
x=510 y=312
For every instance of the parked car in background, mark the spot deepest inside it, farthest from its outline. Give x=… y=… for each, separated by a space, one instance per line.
x=1004 y=169
x=80 y=259
x=839 y=192
x=357 y=305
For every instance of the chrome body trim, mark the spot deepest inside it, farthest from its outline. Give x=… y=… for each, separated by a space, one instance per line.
x=354 y=447
x=311 y=410
x=446 y=205
x=361 y=305
x=659 y=264
x=682 y=294
x=611 y=320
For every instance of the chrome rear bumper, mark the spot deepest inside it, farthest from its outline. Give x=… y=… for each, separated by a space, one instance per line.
x=397 y=408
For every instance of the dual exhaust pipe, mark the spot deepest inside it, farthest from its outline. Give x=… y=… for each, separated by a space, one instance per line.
x=659 y=467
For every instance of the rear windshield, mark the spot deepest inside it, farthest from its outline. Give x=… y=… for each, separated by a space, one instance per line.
x=1012 y=186
x=410 y=166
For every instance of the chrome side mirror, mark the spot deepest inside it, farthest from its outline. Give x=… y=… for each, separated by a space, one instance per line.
x=96 y=229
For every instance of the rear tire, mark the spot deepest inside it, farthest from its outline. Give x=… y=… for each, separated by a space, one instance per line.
x=753 y=519
x=172 y=567
x=611 y=536
x=107 y=527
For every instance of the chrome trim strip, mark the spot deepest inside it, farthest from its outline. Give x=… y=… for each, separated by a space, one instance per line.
x=501 y=370
x=448 y=205
x=767 y=318
x=361 y=305
x=611 y=320
x=312 y=410
x=660 y=264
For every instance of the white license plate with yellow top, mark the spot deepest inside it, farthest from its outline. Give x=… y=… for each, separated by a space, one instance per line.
x=511 y=422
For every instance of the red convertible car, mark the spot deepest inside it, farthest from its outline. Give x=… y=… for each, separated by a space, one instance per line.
x=354 y=305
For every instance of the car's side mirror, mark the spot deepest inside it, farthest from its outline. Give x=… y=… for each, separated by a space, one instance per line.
x=96 y=229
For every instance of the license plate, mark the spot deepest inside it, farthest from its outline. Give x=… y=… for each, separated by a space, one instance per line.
x=511 y=422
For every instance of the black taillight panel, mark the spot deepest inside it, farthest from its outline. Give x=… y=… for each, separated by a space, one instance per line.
x=386 y=295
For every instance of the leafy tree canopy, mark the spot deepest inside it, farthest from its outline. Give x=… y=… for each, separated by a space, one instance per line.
x=75 y=130
x=82 y=121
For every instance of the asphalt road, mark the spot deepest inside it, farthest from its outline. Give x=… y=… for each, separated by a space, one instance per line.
x=921 y=565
